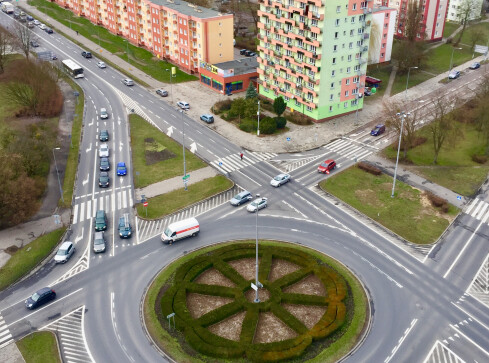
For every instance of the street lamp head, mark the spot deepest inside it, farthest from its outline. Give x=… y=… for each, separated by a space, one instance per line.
x=414 y=67
x=57 y=148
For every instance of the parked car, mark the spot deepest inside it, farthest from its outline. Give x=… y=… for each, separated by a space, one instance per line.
x=103 y=151
x=162 y=92
x=243 y=51
x=326 y=166
x=36 y=22
x=279 y=180
x=34 y=43
x=367 y=92
x=64 y=252
x=207 y=118
x=248 y=53
x=54 y=56
x=86 y=54
x=101 y=65
x=104 y=164
x=125 y=229
x=40 y=297
x=99 y=242
x=378 y=130
x=121 y=169
x=100 y=220
x=104 y=180
x=104 y=135
x=30 y=24
x=103 y=114
x=42 y=26
x=49 y=30
x=241 y=198
x=252 y=54
x=29 y=18
x=183 y=105
x=454 y=74
x=257 y=204
x=475 y=65
x=128 y=82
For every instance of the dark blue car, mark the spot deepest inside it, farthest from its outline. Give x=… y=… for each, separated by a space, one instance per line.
x=40 y=297
x=121 y=169
x=378 y=130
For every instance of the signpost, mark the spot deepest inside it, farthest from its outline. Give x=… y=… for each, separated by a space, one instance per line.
x=172 y=315
x=145 y=203
x=185 y=180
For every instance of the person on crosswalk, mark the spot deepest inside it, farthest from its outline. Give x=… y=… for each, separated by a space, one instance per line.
x=241 y=156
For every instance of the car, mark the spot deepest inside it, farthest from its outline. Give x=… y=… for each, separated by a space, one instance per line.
x=327 y=166
x=22 y=13
x=125 y=229
x=104 y=180
x=42 y=26
x=49 y=30
x=248 y=53
x=64 y=252
x=100 y=220
x=378 y=130
x=241 y=198
x=99 y=242
x=243 y=51
x=279 y=180
x=86 y=54
x=31 y=24
x=16 y=14
x=128 y=82
x=40 y=297
x=121 y=169
x=29 y=18
x=252 y=54
x=475 y=65
x=183 y=105
x=36 y=22
x=367 y=92
x=257 y=204
x=104 y=135
x=162 y=92
x=103 y=151
x=103 y=114
x=22 y=18
x=454 y=75
x=207 y=118
x=104 y=164
x=101 y=65
x=34 y=43
x=54 y=56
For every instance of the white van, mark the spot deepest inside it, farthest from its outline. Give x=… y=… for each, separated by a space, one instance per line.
x=178 y=230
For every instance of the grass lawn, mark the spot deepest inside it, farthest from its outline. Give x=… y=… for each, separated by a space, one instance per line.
x=483 y=27
x=382 y=72
x=407 y=214
x=455 y=170
x=168 y=168
x=164 y=204
x=39 y=347
x=138 y=57
x=438 y=59
x=26 y=258
x=450 y=27
x=415 y=77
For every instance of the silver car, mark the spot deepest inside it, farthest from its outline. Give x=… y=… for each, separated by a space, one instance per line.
x=280 y=179
x=99 y=242
x=128 y=82
x=101 y=65
x=241 y=198
x=64 y=252
x=103 y=151
x=104 y=114
x=257 y=204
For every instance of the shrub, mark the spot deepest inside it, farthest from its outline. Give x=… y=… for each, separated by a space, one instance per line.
x=298 y=118
x=438 y=202
x=248 y=125
x=369 y=168
x=268 y=126
x=479 y=159
x=221 y=106
x=281 y=122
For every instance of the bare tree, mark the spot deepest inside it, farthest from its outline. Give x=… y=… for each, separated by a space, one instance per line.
x=475 y=35
x=6 y=44
x=394 y=114
x=23 y=37
x=465 y=12
x=252 y=8
x=442 y=124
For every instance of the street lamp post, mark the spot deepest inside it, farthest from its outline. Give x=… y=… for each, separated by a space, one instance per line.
x=171 y=85
x=57 y=173
x=403 y=116
x=127 y=49
x=258 y=116
x=257 y=299
x=183 y=146
x=407 y=81
x=451 y=61
x=356 y=116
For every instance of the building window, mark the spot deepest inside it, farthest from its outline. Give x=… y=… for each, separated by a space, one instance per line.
x=330 y=108
x=354 y=7
x=297 y=103
x=205 y=80
x=347 y=82
x=338 y=9
x=336 y=35
x=347 y=93
x=382 y=55
x=352 y=19
x=334 y=61
x=383 y=45
x=332 y=73
x=337 y=22
x=345 y=105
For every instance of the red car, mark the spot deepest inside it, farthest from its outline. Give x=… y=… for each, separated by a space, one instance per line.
x=326 y=166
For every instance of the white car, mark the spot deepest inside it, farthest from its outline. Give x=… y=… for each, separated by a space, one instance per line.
x=101 y=65
x=280 y=179
x=257 y=204
x=183 y=105
x=42 y=26
x=128 y=82
x=103 y=114
x=36 y=22
x=103 y=152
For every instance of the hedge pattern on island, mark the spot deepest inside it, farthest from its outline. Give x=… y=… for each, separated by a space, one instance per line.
x=196 y=331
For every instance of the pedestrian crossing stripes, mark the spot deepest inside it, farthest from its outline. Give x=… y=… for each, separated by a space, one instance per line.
x=478 y=210
x=440 y=353
x=110 y=202
x=479 y=288
x=234 y=162
x=349 y=149
x=148 y=229
x=289 y=165
x=5 y=336
x=71 y=336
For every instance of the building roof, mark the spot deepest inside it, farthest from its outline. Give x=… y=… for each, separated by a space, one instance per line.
x=186 y=8
x=240 y=66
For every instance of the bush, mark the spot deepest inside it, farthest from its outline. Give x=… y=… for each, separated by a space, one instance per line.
x=268 y=126
x=479 y=159
x=298 y=118
x=221 y=106
x=248 y=125
x=369 y=168
x=281 y=122
x=438 y=202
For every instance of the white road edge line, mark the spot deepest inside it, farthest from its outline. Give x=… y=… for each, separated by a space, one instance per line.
x=115 y=328
x=408 y=330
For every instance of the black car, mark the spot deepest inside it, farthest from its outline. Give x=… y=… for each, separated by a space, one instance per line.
x=86 y=54
x=104 y=164
x=243 y=51
x=104 y=135
x=40 y=297
x=29 y=18
x=104 y=180
x=50 y=31
x=378 y=130
x=248 y=53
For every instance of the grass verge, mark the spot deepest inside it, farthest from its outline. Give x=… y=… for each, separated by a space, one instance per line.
x=166 y=154
x=39 y=347
x=164 y=204
x=408 y=214
x=450 y=27
x=26 y=258
x=438 y=59
x=332 y=354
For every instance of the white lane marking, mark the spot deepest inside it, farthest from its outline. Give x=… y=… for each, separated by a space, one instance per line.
x=294 y=209
x=406 y=332
x=82 y=212
x=89 y=209
x=474 y=202
x=75 y=213
x=470 y=340
x=232 y=212
x=114 y=326
x=471 y=316
x=124 y=200
x=254 y=181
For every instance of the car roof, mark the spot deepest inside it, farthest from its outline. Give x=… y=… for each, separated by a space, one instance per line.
x=121 y=164
x=65 y=245
x=43 y=290
x=328 y=161
x=379 y=125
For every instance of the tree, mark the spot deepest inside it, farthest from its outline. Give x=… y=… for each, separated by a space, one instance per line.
x=465 y=12
x=252 y=8
x=251 y=92
x=251 y=108
x=394 y=114
x=6 y=45
x=23 y=37
x=413 y=24
x=238 y=108
x=442 y=124
x=475 y=35
x=279 y=106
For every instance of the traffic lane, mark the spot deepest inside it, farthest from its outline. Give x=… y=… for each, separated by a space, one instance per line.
x=469 y=340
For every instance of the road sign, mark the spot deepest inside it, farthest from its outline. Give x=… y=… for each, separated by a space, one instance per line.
x=459 y=197
x=288 y=139
x=145 y=204
x=480 y=49
x=186 y=177
x=254 y=287
x=220 y=163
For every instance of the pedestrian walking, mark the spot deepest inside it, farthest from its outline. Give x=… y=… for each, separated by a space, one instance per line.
x=241 y=156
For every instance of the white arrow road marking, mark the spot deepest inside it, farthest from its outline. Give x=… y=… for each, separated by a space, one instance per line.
x=91 y=123
x=170 y=131
x=121 y=180
x=86 y=180
x=193 y=148
x=79 y=238
x=90 y=148
x=118 y=120
x=120 y=145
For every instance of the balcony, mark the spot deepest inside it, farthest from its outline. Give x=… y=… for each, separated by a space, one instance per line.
x=366 y=35
x=367 y=10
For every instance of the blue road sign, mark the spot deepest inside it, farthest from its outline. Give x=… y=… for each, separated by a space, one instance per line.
x=220 y=163
x=288 y=139
x=459 y=197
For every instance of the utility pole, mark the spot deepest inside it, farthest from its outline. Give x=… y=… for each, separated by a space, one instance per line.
x=258 y=114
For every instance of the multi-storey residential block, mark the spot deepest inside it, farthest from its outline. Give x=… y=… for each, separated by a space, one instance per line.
x=381 y=34
x=457 y=6
x=433 y=19
x=175 y=30
x=314 y=54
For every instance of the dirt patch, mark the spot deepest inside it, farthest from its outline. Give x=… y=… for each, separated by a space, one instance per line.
x=155 y=152
x=428 y=209
x=229 y=328
x=245 y=267
x=272 y=329
x=310 y=285
x=199 y=304
x=11 y=249
x=309 y=315
x=281 y=268
x=214 y=277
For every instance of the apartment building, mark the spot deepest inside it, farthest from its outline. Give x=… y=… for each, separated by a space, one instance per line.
x=433 y=19
x=314 y=54
x=175 y=30
x=381 y=34
x=455 y=7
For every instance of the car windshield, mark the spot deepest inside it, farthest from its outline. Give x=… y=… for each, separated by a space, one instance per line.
x=278 y=177
x=120 y=167
x=168 y=232
x=35 y=296
x=324 y=165
x=61 y=252
x=99 y=241
x=255 y=203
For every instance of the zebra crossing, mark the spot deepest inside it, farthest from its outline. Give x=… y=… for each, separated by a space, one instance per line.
x=108 y=200
x=351 y=149
x=479 y=288
x=478 y=210
x=440 y=353
x=71 y=336
x=147 y=229
x=233 y=162
x=5 y=336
